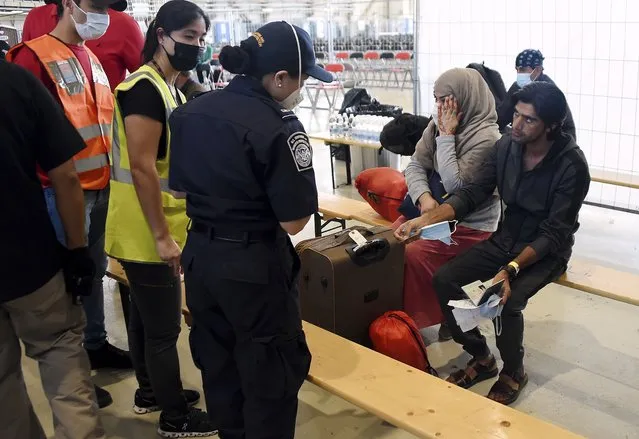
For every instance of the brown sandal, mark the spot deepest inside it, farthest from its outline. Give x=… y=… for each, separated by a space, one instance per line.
x=474 y=373
x=508 y=388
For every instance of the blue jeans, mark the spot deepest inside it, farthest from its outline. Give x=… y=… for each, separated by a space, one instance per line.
x=96 y=204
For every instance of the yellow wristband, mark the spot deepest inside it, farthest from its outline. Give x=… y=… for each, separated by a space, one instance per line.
x=515 y=265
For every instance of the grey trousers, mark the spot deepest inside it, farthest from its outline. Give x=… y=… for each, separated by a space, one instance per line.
x=50 y=327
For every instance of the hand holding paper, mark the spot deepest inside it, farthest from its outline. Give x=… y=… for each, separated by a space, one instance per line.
x=484 y=302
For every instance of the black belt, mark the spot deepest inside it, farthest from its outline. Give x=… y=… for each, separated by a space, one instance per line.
x=230 y=235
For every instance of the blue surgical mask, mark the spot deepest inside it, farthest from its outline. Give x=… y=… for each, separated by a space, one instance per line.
x=439 y=232
x=523 y=79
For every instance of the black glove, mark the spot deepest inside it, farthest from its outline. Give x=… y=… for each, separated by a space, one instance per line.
x=79 y=271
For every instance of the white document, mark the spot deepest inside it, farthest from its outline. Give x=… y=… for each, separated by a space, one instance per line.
x=475 y=291
x=468 y=313
x=467 y=319
x=462 y=304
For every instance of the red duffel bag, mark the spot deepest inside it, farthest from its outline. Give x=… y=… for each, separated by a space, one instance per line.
x=396 y=335
x=384 y=189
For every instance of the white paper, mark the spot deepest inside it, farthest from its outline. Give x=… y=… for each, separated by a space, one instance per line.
x=357 y=237
x=475 y=291
x=466 y=312
x=462 y=304
x=467 y=319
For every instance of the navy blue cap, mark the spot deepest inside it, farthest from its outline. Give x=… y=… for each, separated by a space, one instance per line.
x=529 y=58
x=273 y=47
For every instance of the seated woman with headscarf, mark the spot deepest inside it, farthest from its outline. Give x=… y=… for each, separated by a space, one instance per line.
x=451 y=151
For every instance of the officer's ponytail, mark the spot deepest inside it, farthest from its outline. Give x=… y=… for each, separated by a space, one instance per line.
x=236 y=59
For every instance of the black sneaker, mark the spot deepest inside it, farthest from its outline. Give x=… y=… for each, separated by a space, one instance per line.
x=144 y=405
x=103 y=397
x=195 y=423
x=108 y=356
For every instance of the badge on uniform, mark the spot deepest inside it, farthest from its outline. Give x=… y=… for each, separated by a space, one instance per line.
x=67 y=74
x=301 y=149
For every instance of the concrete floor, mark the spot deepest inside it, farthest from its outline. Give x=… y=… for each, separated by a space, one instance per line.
x=582 y=351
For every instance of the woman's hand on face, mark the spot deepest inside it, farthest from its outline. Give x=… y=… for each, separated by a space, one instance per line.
x=449 y=116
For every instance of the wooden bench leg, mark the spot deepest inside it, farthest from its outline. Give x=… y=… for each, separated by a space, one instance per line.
x=125 y=297
x=320 y=224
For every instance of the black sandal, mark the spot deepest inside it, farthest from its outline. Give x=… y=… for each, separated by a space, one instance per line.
x=508 y=388
x=482 y=373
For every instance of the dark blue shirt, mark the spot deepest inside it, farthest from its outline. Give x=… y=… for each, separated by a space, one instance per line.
x=244 y=161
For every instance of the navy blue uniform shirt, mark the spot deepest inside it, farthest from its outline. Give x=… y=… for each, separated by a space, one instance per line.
x=244 y=162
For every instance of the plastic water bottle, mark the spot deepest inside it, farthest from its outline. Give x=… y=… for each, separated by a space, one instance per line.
x=331 y=126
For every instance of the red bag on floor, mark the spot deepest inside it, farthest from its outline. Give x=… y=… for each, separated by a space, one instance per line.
x=396 y=335
x=384 y=189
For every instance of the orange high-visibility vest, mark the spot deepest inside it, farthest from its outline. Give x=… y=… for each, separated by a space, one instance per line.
x=91 y=115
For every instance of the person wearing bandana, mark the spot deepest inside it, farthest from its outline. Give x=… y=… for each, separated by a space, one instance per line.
x=529 y=65
x=245 y=163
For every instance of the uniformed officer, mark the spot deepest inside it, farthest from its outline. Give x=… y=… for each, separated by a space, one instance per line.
x=245 y=163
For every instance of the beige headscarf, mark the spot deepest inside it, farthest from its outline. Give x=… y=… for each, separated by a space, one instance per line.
x=477 y=131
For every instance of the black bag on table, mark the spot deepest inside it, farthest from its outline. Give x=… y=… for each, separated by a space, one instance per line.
x=494 y=81
x=402 y=134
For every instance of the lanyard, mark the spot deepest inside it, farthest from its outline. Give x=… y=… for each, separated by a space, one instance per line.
x=163 y=76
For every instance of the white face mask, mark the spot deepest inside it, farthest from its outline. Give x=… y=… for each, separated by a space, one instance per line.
x=440 y=232
x=435 y=115
x=295 y=98
x=523 y=79
x=95 y=26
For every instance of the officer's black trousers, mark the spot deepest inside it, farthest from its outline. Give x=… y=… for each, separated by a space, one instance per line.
x=247 y=337
x=482 y=262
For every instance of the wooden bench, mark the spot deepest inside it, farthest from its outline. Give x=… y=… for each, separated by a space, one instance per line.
x=412 y=400
x=337 y=209
x=408 y=398
x=581 y=275
x=615 y=178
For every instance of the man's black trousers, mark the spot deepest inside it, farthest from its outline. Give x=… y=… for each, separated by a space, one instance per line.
x=482 y=262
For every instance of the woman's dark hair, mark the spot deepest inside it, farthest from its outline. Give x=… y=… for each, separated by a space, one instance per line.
x=549 y=102
x=236 y=59
x=173 y=15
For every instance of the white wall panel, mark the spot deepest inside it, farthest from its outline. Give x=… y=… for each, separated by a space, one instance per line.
x=592 y=53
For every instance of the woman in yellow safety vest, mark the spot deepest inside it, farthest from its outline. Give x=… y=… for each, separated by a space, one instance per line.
x=146 y=223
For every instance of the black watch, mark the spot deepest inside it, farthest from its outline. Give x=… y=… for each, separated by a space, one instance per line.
x=512 y=272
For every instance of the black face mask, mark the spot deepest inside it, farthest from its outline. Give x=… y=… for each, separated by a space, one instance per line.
x=186 y=56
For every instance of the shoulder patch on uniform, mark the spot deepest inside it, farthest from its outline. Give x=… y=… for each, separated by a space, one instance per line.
x=287 y=113
x=301 y=150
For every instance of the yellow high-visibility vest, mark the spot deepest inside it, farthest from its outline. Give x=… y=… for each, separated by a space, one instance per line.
x=128 y=235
